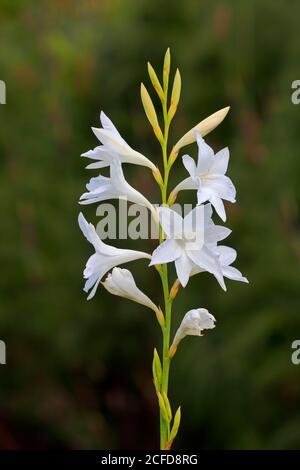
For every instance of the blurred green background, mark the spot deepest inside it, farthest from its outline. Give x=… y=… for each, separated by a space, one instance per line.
x=78 y=373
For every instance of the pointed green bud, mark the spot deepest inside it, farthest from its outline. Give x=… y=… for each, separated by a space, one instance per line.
x=156 y=371
x=166 y=70
x=167 y=405
x=176 y=424
x=162 y=407
x=151 y=113
x=175 y=96
x=155 y=82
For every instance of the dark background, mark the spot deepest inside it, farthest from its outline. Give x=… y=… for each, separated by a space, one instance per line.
x=78 y=373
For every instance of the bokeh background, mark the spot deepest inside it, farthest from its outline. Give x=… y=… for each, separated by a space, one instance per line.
x=78 y=373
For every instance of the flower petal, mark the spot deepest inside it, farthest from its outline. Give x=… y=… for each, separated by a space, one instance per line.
x=183 y=267
x=167 y=252
x=219 y=206
x=190 y=165
x=171 y=221
x=220 y=161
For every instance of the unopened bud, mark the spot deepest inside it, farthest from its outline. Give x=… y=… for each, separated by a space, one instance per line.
x=155 y=82
x=160 y=317
x=167 y=65
x=204 y=127
x=173 y=156
x=150 y=112
x=172 y=351
x=174 y=289
x=157 y=176
x=172 y=198
x=175 y=96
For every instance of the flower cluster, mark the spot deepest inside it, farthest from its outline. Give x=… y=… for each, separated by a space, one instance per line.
x=191 y=242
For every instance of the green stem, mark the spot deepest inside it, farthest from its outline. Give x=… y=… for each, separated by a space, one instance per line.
x=164 y=427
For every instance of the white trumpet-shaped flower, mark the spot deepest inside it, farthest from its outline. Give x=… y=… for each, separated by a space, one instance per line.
x=227 y=256
x=189 y=242
x=113 y=147
x=121 y=282
x=101 y=188
x=105 y=257
x=193 y=323
x=208 y=177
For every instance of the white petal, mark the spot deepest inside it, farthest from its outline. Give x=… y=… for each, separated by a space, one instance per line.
x=220 y=162
x=89 y=232
x=167 y=252
x=187 y=183
x=121 y=282
x=219 y=206
x=195 y=220
x=205 y=155
x=93 y=291
x=190 y=165
x=171 y=221
x=227 y=255
x=193 y=323
x=205 y=259
x=222 y=187
x=183 y=269
x=234 y=274
x=215 y=233
x=108 y=125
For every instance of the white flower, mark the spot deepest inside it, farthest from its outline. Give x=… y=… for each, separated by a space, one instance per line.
x=121 y=282
x=227 y=256
x=208 y=177
x=105 y=257
x=113 y=148
x=193 y=323
x=101 y=188
x=189 y=242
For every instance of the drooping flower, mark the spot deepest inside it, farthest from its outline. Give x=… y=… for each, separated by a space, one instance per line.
x=193 y=323
x=113 y=147
x=208 y=177
x=121 y=282
x=189 y=241
x=227 y=256
x=101 y=188
x=105 y=257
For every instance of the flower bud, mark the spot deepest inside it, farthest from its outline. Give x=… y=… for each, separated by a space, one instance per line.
x=155 y=82
x=204 y=127
x=166 y=70
x=174 y=289
x=172 y=198
x=160 y=317
x=150 y=112
x=157 y=176
x=175 y=96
